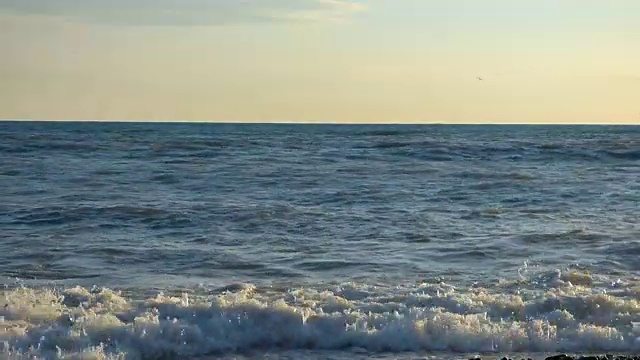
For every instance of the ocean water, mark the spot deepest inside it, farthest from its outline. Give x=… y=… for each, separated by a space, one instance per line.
x=146 y=241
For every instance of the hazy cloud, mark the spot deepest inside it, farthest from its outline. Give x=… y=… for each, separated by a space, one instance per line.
x=188 y=12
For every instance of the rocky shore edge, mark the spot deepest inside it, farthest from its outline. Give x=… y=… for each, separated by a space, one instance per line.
x=568 y=357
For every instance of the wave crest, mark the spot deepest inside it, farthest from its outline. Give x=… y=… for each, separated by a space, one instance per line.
x=426 y=317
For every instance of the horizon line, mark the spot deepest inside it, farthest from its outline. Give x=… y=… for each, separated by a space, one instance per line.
x=321 y=122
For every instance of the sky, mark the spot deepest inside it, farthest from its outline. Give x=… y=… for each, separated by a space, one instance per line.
x=392 y=61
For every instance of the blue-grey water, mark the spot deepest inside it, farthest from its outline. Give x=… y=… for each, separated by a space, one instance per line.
x=375 y=239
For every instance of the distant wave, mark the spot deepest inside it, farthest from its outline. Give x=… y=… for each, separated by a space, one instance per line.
x=626 y=155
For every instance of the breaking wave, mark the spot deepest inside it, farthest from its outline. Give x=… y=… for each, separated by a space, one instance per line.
x=567 y=311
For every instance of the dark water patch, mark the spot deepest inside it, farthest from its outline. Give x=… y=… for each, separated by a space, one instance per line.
x=81 y=198
x=13 y=172
x=561 y=237
x=436 y=156
x=62 y=146
x=188 y=158
x=615 y=267
x=551 y=146
x=328 y=265
x=110 y=251
x=490 y=185
x=389 y=145
x=538 y=211
x=45 y=219
x=189 y=145
x=88 y=181
x=354 y=170
x=165 y=178
x=414 y=237
x=13 y=148
x=629 y=247
x=463 y=256
x=59 y=215
x=624 y=155
x=259 y=212
x=382 y=133
x=108 y=172
x=135 y=211
x=571 y=155
x=105 y=226
x=142 y=252
x=172 y=221
x=45 y=272
x=489 y=213
x=201 y=240
x=233 y=265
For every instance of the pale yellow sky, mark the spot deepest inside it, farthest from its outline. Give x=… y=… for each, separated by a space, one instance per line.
x=558 y=61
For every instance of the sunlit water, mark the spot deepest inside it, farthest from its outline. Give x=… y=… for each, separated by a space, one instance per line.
x=211 y=240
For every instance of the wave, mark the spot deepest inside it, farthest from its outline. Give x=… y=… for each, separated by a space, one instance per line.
x=57 y=214
x=568 y=314
x=625 y=155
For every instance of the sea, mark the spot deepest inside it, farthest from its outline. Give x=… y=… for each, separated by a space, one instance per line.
x=288 y=241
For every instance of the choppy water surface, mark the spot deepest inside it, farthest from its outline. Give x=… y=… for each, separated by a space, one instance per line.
x=139 y=240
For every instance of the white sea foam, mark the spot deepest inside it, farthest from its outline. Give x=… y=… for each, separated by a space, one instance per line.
x=573 y=315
